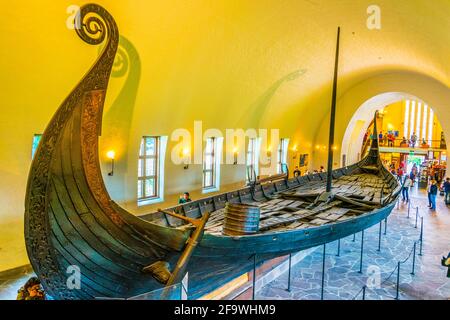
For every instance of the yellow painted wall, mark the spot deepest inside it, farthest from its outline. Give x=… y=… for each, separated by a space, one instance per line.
x=228 y=63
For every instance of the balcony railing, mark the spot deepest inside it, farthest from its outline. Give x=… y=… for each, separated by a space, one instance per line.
x=400 y=143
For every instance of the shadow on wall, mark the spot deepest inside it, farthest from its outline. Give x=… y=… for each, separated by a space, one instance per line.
x=118 y=118
x=256 y=110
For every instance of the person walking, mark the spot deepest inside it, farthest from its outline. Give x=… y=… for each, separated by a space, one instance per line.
x=405 y=188
x=447 y=191
x=433 y=194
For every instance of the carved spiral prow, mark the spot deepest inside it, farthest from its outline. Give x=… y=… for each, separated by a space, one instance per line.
x=94 y=25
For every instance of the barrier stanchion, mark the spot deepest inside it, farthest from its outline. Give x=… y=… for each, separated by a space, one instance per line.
x=421 y=235
x=339 y=248
x=398 y=281
x=414 y=258
x=385 y=226
x=364 y=293
x=362 y=251
x=417 y=216
x=379 y=238
x=323 y=271
x=354 y=237
x=289 y=272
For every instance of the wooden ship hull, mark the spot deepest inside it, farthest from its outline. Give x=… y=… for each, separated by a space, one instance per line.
x=285 y=225
x=72 y=224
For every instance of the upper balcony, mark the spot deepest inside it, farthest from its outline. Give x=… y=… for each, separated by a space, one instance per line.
x=402 y=146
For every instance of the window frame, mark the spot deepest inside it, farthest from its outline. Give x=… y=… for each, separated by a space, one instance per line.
x=213 y=172
x=252 y=157
x=282 y=154
x=143 y=157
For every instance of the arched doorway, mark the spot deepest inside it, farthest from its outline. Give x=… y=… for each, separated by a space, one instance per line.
x=353 y=136
x=411 y=134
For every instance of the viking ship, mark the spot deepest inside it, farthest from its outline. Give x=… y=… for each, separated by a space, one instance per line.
x=72 y=223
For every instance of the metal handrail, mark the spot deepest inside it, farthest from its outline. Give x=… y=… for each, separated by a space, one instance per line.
x=437 y=143
x=431 y=144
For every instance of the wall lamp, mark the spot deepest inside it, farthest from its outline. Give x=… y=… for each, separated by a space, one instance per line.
x=111 y=155
x=186 y=156
x=294 y=149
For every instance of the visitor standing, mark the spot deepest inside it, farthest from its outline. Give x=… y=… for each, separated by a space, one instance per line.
x=412 y=175
x=380 y=137
x=297 y=172
x=184 y=198
x=428 y=193
x=405 y=188
x=400 y=174
x=414 y=169
x=447 y=190
x=413 y=140
x=424 y=143
x=433 y=194
x=391 y=139
x=404 y=143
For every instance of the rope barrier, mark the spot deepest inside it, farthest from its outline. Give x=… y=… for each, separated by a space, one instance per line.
x=399 y=262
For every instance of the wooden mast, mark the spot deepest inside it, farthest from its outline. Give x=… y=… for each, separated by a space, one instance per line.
x=332 y=117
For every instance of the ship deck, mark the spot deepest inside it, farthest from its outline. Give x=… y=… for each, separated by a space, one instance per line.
x=295 y=209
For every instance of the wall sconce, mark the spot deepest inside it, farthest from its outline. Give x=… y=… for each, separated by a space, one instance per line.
x=294 y=149
x=235 y=154
x=111 y=155
x=186 y=157
x=269 y=153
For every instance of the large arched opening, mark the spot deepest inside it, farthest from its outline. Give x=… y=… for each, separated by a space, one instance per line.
x=352 y=141
x=360 y=101
x=410 y=135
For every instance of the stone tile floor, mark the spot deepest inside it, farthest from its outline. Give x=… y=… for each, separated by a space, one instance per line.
x=342 y=279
